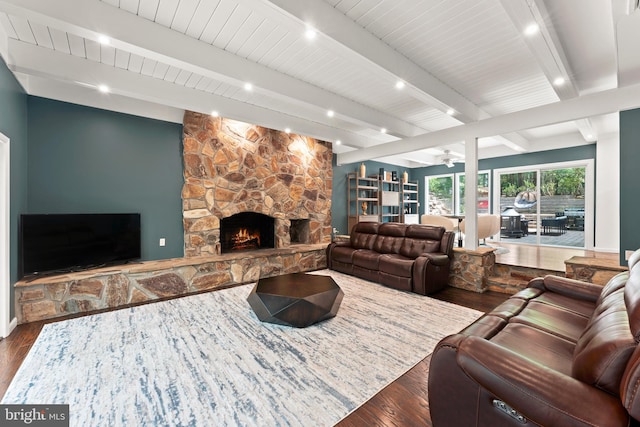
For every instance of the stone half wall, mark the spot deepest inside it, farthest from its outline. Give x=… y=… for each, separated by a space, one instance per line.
x=131 y=284
x=232 y=167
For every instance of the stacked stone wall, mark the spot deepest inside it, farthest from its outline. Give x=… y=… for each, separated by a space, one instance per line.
x=232 y=167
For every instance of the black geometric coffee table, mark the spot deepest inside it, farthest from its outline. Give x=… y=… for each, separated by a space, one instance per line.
x=295 y=299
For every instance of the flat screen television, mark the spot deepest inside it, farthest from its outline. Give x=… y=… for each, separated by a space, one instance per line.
x=58 y=243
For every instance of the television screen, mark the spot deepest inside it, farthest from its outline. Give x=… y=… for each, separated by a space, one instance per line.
x=52 y=243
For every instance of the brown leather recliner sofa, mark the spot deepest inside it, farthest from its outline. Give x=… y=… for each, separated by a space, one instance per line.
x=559 y=353
x=412 y=257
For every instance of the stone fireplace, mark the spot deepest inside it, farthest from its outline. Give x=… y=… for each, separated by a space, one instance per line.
x=246 y=231
x=232 y=167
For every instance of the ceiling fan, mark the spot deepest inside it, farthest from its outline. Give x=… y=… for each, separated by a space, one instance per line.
x=449 y=158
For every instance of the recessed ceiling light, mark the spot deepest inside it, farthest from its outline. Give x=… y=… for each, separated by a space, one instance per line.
x=102 y=39
x=331 y=113
x=531 y=29
x=400 y=84
x=103 y=88
x=287 y=130
x=383 y=130
x=214 y=113
x=338 y=142
x=590 y=136
x=310 y=33
x=248 y=87
x=451 y=111
x=559 y=81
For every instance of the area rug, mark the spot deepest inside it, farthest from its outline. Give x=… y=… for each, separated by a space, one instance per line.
x=207 y=359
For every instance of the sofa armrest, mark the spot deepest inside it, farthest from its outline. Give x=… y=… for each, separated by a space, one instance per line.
x=342 y=243
x=569 y=287
x=330 y=247
x=436 y=258
x=533 y=389
x=430 y=273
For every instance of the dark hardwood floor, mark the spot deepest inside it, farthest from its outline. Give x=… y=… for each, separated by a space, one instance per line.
x=402 y=403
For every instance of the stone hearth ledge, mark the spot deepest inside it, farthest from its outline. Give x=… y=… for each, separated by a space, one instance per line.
x=119 y=286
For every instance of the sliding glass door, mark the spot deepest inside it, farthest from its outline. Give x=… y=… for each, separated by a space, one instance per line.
x=547 y=204
x=518 y=205
x=563 y=190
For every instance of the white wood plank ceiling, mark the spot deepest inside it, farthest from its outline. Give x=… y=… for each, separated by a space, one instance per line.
x=470 y=57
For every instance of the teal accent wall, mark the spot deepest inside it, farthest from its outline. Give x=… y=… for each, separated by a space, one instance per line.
x=339 y=216
x=629 y=181
x=13 y=124
x=541 y=157
x=87 y=160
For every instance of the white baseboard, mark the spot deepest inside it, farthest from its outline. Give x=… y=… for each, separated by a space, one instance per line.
x=12 y=326
x=612 y=250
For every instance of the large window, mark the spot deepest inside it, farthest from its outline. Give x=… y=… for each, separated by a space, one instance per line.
x=439 y=194
x=484 y=199
x=445 y=193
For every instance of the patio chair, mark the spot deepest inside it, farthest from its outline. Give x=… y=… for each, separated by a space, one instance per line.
x=442 y=221
x=488 y=225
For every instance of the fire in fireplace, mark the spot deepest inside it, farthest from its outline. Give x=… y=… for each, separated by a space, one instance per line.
x=247 y=231
x=243 y=239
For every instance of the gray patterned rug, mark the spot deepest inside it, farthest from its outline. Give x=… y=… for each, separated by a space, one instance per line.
x=207 y=359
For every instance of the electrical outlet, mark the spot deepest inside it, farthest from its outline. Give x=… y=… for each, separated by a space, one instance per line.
x=627 y=254
x=162 y=241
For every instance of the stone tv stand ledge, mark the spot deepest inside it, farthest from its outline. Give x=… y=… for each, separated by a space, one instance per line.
x=119 y=286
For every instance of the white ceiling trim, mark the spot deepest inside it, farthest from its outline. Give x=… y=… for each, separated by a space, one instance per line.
x=85 y=95
x=605 y=102
x=628 y=34
x=356 y=42
x=148 y=39
x=46 y=63
x=547 y=50
x=386 y=61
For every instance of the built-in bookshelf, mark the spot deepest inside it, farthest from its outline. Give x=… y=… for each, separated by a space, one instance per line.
x=409 y=195
x=377 y=199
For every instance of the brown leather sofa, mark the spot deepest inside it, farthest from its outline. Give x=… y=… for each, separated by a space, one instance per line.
x=412 y=257
x=559 y=353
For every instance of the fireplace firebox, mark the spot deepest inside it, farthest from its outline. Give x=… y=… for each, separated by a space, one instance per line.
x=247 y=231
x=299 y=231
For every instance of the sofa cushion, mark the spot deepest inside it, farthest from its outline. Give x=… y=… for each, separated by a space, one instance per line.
x=343 y=254
x=420 y=239
x=582 y=307
x=390 y=238
x=366 y=259
x=555 y=320
x=606 y=344
x=539 y=346
x=528 y=294
x=632 y=302
x=509 y=308
x=396 y=265
x=618 y=281
x=363 y=234
x=394 y=229
x=487 y=326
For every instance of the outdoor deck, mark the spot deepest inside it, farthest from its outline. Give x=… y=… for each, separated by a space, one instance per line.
x=570 y=238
